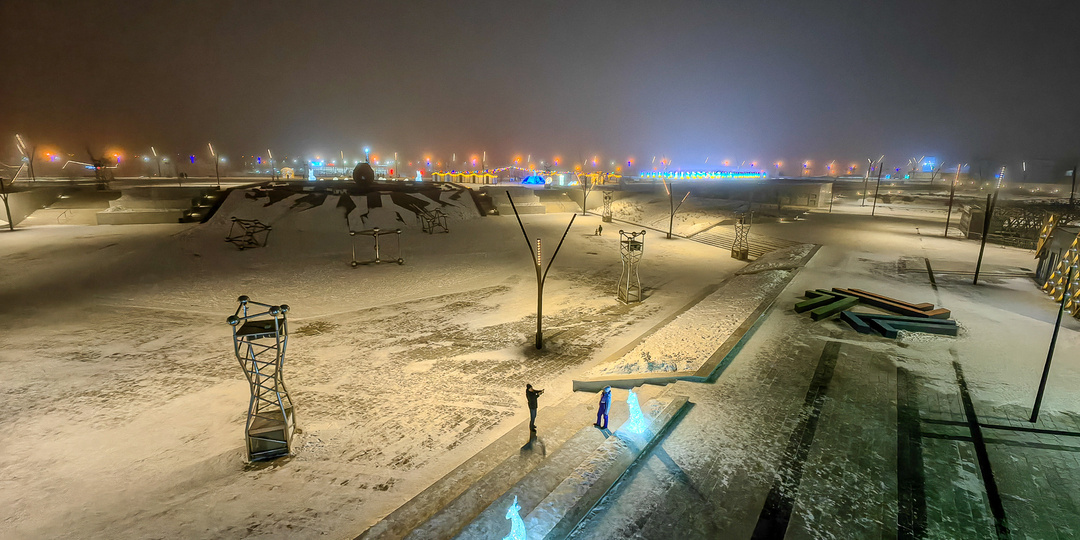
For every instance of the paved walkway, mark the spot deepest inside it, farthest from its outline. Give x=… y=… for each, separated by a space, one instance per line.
x=815 y=431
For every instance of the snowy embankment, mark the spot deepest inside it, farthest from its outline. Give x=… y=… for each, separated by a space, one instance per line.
x=687 y=342
x=695 y=215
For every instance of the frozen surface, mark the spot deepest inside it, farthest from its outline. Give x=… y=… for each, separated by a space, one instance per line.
x=125 y=406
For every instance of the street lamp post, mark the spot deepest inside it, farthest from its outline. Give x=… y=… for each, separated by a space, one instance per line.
x=881 y=165
x=1065 y=296
x=273 y=174
x=1072 y=192
x=952 y=191
x=991 y=202
x=158 y=160
x=537 y=264
x=28 y=153
x=217 y=172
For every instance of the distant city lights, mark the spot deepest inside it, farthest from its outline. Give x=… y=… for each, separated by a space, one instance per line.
x=703 y=175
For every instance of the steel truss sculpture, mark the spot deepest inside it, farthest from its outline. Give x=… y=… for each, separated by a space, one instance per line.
x=259 y=341
x=253 y=233
x=375 y=234
x=740 y=248
x=609 y=196
x=1063 y=285
x=631 y=247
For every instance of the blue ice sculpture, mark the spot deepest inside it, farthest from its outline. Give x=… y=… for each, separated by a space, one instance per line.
x=419 y=177
x=636 y=423
x=517 y=527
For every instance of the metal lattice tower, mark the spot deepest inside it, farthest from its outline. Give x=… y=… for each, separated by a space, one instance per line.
x=631 y=247
x=740 y=248
x=609 y=196
x=259 y=341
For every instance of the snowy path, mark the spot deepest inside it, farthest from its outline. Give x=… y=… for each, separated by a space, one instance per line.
x=816 y=442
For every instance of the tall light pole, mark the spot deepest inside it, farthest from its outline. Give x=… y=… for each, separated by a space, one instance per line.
x=881 y=165
x=991 y=202
x=952 y=191
x=28 y=153
x=158 y=160
x=866 y=180
x=1072 y=192
x=1065 y=297
x=217 y=172
x=273 y=175
x=541 y=277
x=671 y=205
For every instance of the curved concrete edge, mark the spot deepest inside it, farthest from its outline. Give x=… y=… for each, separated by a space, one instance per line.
x=561 y=511
x=716 y=362
x=634 y=380
x=715 y=365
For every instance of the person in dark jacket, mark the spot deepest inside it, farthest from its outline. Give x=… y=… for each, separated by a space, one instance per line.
x=605 y=404
x=530 y=396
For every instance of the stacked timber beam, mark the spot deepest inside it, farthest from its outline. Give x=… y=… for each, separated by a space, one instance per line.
x=911 y=317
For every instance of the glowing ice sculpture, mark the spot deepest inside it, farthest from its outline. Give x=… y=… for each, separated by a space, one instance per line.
x=517 y=527
x=636 y=423
x=419 y=177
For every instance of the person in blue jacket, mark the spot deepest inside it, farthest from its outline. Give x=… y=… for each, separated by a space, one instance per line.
x=605 y=404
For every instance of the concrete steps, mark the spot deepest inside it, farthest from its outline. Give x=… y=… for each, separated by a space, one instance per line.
x=441 y=510
x=556 y=477
x=723 y=236
x=556 y=495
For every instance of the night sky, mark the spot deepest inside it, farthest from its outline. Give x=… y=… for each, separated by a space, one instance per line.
x=778 y=80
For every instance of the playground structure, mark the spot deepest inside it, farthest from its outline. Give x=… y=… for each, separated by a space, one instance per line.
x=433 y=221
x=740 y=248
x=609 y=196
x=631 y=248
x=252 y=233
x=259 y=341
x=375 y=234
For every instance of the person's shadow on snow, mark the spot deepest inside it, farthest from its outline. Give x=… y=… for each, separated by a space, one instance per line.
x=534 y=445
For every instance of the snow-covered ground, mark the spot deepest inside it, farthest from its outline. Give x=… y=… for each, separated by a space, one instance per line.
x=125 y=406
x=693 y=216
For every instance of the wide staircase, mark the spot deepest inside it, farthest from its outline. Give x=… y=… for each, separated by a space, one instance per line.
x=555 y=477
x=723 y=236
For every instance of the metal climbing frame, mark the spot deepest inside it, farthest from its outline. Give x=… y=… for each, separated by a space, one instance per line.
x=609 y=196
x=433 y=221
x=253 y=233
x=631 y=247
x=376 y=233
x=259 y=341
x=740 y=248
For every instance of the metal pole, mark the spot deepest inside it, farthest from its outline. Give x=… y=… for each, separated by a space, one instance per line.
x=990 y=200
x=1050 y=354
x=952 y=191
x=1072 y=192
x=539 y=300
x=671 y=206
x=4 y=194
x=881 y=165
x=832 y=194
x=866 y=180
x=217 y=173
